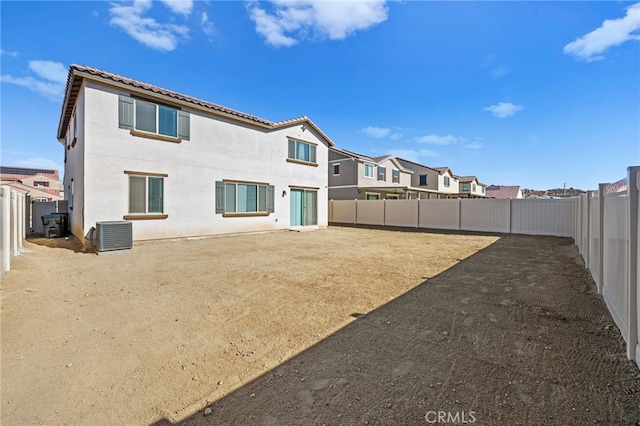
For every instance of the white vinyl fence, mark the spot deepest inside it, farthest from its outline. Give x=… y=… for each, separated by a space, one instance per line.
x=604 y=225
x=12 y=225
x=534 y=217
x=607 y=238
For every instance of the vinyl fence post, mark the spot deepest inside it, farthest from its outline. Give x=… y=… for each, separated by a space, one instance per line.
x=355 y=211
x=633 y=186
x=459 y=214
x=418 y=212
x=510 y=215
x=587 y=220
x=601 y=190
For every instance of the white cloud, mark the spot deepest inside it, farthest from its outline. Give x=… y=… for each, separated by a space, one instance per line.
x=612 y=32
x=473 y=145
x=396 y=136
x=51 y=82
x=148 y=31
x=376 y=132
x=207 y=26
x=292 y=21
x=439 y=140
x=413 y=154
x=504 y=109
x=499 y=72
x=7 y=53
x=182 y=7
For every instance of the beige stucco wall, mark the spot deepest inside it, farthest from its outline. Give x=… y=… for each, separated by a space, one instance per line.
x=432 y=175
x=453 y=187
x=218 y=149
x=74 y=178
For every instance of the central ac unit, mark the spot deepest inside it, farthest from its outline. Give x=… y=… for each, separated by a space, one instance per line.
x=114 y=235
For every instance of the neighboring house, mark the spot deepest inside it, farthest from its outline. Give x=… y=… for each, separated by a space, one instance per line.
x=38 y=184
x=448 y=185
x=423 y=177
x=178 y=166
x=355 y=176
x=503 y=191
x=470 y=187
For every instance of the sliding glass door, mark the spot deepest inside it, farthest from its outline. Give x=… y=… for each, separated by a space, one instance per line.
x=304 y=207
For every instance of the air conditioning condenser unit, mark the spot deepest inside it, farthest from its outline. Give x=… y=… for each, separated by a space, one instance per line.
x=114 y=235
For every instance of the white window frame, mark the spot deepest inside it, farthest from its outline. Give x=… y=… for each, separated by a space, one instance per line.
x=393 y=173
x=235 y=207
x=366 y=195
x=368 y=166
x=393 y=197
x=447 y=181
x=157 y=113
x=426 y=180
x=146 y=193
x=334 y=169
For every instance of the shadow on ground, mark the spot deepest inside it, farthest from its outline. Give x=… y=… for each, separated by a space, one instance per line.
x=68 y=243
x=514 y=334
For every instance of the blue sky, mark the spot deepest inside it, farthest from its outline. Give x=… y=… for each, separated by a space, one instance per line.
x=537 y=94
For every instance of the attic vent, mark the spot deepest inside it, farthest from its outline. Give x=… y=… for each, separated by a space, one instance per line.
x=114 y=235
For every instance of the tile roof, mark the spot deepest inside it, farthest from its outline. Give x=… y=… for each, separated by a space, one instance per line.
x=78 y=72
x=417 y=164
x=10 y=172
x=352 y=154
x=443 y=169
x=502 y=191
x=465 y=179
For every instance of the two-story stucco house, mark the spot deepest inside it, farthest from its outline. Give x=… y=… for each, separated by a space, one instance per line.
x=470 y=187
x=177 y=166
x=355 y=176
x=448 y=185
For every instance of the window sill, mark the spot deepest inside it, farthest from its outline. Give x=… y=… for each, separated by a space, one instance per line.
x=155 y=136
x=304 y=163
x=253 y=214
x=145 y=216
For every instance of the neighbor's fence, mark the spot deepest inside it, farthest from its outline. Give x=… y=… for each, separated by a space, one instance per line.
x=604 y=225
x=12 y=225
x=606 y=234
x=520 y=216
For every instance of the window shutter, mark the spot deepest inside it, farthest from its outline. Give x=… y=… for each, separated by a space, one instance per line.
x=219 y=197
x=292 y=149
x=125 y=112
x=184 y=130
x=312 y=153
x=271 y=199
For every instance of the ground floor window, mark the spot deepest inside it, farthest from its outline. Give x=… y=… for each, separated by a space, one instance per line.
x=244 y=198
x=372 y=196
x=146 y=194
x=392 y=196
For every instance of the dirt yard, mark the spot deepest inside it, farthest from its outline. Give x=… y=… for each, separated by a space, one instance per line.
x=338 y=326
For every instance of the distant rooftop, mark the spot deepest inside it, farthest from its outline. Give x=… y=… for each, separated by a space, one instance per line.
x=10 y=172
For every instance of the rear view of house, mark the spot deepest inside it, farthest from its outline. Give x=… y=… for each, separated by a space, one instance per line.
x=177 y=166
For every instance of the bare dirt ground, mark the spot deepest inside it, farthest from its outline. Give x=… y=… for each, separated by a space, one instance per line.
x=337 y=326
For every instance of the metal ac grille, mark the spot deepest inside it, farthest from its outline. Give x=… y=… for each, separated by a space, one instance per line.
x=116 y=235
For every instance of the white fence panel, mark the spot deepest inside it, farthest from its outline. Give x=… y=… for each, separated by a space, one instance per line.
x=343 y=211
x=485 y=215
x=5 y=228
x=439 y=214
x=594 y=237
x=584 y=213
x=616 y=258
x=370 y=212
x=543 y=217
x=401 y=213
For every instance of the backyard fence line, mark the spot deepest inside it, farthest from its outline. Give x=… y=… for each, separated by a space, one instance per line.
x=12 y=225
x=518 y=216
x=604 y=225
x=606 y=233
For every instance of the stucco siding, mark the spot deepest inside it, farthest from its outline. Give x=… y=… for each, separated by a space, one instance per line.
x=218 y=149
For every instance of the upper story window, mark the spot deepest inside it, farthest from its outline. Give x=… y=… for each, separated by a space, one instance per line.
x=40 y=183
x=155 y=119
x=465 y=186
x=482 y=189
x=395 y=176
x=473 y=187
x=368 y=171
x=382 y=173
x=423 y=180
x=302 y=152
x=336 y=169
x=447 y=181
